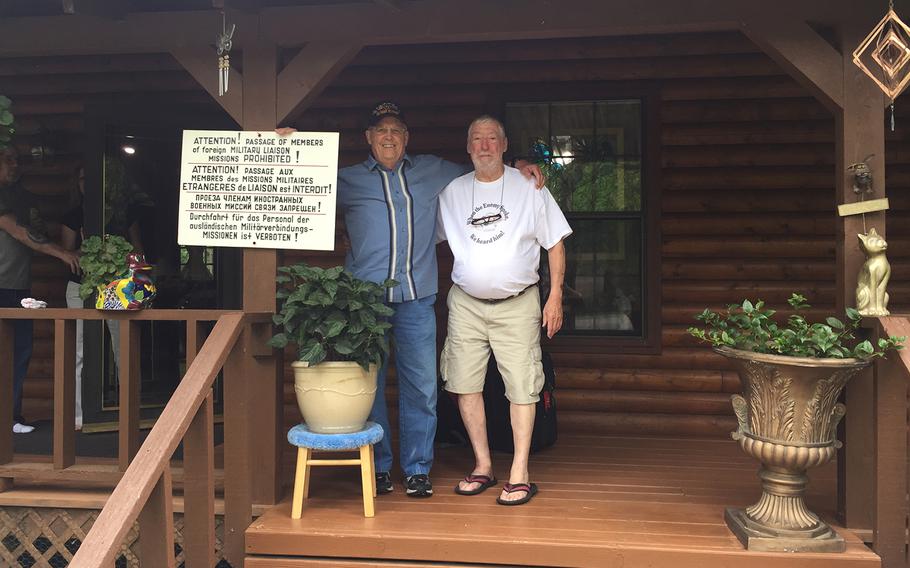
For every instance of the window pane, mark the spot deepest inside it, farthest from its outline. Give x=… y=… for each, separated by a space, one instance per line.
x=528 y=128
x=590 y=151
x=603 y=286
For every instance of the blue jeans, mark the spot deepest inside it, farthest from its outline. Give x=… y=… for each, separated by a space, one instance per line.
x=413 y=336
x=22 y=347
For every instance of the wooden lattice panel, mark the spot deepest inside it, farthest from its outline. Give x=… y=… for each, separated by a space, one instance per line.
x=48 y=538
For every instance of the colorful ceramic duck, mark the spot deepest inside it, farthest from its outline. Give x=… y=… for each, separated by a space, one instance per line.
x=134 y=292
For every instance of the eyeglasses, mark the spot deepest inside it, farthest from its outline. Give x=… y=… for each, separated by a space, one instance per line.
x=386 y=130
x=482 y=221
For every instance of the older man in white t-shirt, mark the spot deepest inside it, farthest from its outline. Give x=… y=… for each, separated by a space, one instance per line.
x=496 y=227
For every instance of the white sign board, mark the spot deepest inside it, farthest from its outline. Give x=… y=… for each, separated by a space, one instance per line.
x=258 y=189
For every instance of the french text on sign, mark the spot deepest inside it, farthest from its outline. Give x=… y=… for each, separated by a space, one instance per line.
x=258 y=189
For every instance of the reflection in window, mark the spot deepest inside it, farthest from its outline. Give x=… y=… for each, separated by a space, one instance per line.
x=590 y=152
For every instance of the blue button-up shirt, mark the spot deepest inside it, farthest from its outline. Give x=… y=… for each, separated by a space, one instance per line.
x=391 y=220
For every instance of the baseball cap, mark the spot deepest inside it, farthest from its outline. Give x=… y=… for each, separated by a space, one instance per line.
x=384 y=109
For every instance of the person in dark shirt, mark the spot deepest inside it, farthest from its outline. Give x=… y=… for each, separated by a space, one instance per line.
x=22 y=231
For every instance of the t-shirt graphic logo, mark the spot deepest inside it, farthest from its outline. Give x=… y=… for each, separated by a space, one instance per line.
x=486 y=222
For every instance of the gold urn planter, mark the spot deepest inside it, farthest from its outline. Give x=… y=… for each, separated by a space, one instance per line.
x=334 y=397
x=788 y=415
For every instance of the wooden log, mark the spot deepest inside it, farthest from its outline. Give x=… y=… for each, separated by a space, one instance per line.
x=613 y=424
x=94 y=64
x=701 y=358
x=748 y=155
x=809 y=131
x=768 y=178
x=735 y=88
x=561 y=49
x=748 y=270
x=630 y=402
x=748 y=247
x=744 y=201
x=773 y=293
x=628 y=69
x=665 y=380
x=795 y=109
x=152 y=82
x=741 y=223
x=684 y=314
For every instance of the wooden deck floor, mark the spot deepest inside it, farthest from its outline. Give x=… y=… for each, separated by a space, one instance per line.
x=603 y=502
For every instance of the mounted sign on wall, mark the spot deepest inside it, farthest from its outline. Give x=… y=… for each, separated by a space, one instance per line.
x=258 y=189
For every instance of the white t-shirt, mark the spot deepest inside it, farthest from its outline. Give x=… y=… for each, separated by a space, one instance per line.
x=499 y=258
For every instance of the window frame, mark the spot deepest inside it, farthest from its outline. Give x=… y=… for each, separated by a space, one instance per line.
x=649 y=95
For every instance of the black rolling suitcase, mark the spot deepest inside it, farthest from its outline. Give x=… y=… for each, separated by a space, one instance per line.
x=499 y=428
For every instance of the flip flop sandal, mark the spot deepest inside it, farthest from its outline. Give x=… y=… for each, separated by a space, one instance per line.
x=530 y=488
x=485 y=481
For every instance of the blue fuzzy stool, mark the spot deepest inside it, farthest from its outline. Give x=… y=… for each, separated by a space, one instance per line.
x=308 y=441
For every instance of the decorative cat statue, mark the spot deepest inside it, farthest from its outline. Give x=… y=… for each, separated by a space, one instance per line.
x=871 y=297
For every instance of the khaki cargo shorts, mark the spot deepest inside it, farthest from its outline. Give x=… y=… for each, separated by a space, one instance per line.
x=511 y=328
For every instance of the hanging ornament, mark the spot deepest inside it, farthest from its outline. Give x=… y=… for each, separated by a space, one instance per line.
x=885 y=56
x=223 y=45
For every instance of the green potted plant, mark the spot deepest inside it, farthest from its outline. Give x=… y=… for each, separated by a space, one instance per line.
x=338 y=324
x=103 y=260
x=792 y=375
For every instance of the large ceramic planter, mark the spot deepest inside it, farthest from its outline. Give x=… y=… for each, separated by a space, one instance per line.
x=334 y=397
x=788 y=415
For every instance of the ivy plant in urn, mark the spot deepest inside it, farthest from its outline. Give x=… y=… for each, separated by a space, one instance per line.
x=120 y=277
x=338 y=324
x=792 y=375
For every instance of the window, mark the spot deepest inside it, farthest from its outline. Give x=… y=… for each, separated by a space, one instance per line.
x=591 y=153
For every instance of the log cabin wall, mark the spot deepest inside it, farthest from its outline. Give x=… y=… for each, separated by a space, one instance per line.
x=747 y=184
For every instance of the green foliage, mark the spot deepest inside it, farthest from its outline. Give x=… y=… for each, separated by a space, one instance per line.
x=752 y=327
x=330 y=315
x=103 y=260
x=7 y=127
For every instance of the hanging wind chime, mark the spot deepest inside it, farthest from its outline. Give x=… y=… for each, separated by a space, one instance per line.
x=223 y=46
x=884 y=56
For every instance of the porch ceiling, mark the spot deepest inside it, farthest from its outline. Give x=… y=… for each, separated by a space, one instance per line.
x=108 y=26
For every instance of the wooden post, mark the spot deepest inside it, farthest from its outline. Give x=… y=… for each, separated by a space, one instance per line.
x=891 y=471
x=238 y=457
x=260 y=72
x=64 y=393
x=859 y=133
x=199 y=481
x=129 y=392
x=156 y=525
x=6 y=409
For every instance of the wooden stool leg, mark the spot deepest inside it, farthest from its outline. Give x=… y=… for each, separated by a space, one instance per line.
x=373 y=469
x=300 y=482
x=366 y=473
x=306 y=473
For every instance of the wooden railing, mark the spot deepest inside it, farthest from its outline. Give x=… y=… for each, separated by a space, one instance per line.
x=143 y=474
x=891 y=476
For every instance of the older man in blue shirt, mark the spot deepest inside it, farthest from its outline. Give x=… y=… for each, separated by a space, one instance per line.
x=389 y=205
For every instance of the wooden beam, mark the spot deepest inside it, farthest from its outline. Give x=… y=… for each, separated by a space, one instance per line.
x=156 y=524
x=804 y=54
x=202 y=63
x=860 y=131
x=128 y=422
x=311 y=70
x=260 y=99
x=890 y=468
x=64 y=393
x=418 y=22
